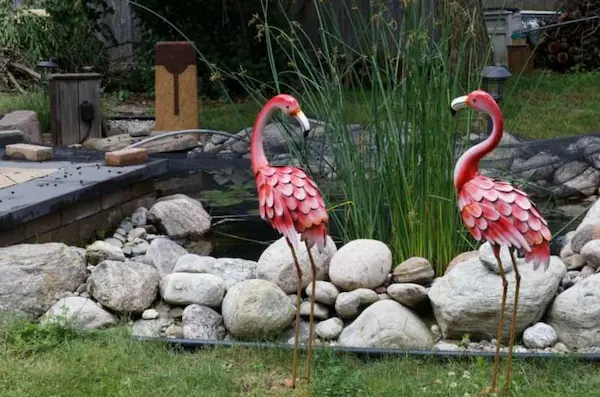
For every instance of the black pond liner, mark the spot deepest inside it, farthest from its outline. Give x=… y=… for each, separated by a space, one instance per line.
x=130 y=118
x=195 y=344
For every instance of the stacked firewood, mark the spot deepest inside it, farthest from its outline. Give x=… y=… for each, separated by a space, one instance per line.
x=572 y=45
x=14 y=74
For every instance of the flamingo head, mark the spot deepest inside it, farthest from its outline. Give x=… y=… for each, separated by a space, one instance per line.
x=290 y=106
x=477 y=100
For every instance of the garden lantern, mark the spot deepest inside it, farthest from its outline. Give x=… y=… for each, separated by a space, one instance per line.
x=493 y=83
x=493 y=80
x=47 y=67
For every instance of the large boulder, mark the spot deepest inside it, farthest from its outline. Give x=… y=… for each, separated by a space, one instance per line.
x=256 y=309
x=25 y=121
x=124 y=286
x=180 y=217
x=276 y=264
x=361 y=263
x=467 y=299
x=189 y=288
x=575 y=314
x=34 y=276
x=78 y=312
x=387 y=324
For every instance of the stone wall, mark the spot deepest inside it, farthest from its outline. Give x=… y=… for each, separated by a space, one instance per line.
x=78 y=222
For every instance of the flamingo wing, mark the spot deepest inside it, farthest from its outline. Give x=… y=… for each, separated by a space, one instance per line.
x=290 y=201
x=503 y=215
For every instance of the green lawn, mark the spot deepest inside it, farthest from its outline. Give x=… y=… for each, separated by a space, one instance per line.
x=57 y=362
x=545 y=105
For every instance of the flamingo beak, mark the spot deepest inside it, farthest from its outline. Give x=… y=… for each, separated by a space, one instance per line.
x=303 y=121
x=457 y=104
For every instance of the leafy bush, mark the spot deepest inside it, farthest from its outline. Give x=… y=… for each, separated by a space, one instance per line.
x=219 y=29
x=71 y=33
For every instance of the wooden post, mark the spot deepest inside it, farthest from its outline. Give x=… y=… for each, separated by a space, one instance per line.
x=176 y=86
x=69 y=124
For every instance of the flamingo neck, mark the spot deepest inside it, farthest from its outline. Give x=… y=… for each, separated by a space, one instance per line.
x=467 y=166
x=257 y=152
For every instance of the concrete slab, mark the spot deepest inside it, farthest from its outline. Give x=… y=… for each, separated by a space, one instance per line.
x=71 y=183
x=20 y=175
x=6 y=182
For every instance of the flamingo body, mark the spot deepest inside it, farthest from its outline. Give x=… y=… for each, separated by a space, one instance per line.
x=290 y=202
x=503 y=215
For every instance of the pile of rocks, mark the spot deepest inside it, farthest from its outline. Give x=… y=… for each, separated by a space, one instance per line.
x=144 y=272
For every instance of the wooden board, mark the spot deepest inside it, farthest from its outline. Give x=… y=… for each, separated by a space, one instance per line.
x=67 y=92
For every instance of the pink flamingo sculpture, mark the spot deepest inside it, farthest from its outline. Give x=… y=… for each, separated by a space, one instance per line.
x=499 y=213
x=290 y=202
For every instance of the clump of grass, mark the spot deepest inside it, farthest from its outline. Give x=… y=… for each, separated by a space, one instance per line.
x=396 y=174
x=37 y=101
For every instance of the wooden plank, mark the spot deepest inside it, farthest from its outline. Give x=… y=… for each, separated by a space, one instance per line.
x=89 y=90
x=68 y=97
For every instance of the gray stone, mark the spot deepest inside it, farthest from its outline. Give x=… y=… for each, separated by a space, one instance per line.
x=139 y=217
x=192 y=263
x=124 y=286
x=34 y=276
x=361 y=263
x=126 y=226
x=234 y=270
x=174 y=331
x=387 y=324
x=255 y=309
x=575 y=314
x=590 y=253
x=540 y=166
x=164 y=254
x=321 y=312
x=181 y=217
x=201 y=322
x=539 y=336
x=78 y=312
x=149 y=314
x=325 y=292
x=113 y=241
x=100 y=251
x=189 y=288
x=410 y=295
x=467 y=299
x=276 y=264
x=570 y=171
x=10 y=137
x=488 y=259
x=25 y=121
x=150 y=328
x=138 y=232
x=414 y=270
x=329 y=329
x=349 y=304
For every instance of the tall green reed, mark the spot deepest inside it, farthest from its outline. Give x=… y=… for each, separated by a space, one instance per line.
x=396 y=175
x=399 y=68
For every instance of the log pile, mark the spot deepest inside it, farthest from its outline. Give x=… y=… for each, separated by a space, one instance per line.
x=14 y=74
x=572 y=45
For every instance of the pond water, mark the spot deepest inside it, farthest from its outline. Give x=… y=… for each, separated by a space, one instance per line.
x=229 y=195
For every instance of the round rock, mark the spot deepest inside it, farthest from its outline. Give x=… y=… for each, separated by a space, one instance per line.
x=583 y=235
x=590 y=253
x=415 y=270
x=201 y=322
x=276 y=264
x=361 y=263
x=183 y=289
x=101 y=250
x=387 y=324
x=408 y=294
x=329 y=329
x=78 y=312
x=539 y=336
x=256 y=309
x=124 y=286
x=325 y=292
